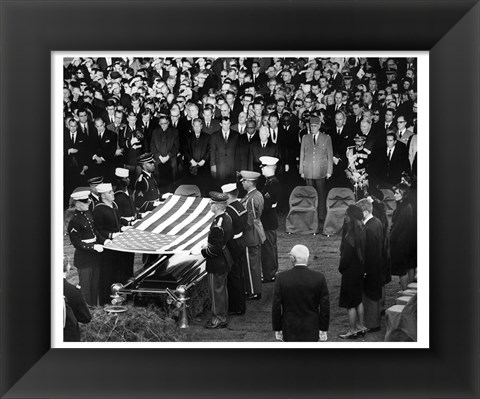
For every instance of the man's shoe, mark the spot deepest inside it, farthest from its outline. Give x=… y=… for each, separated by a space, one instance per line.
x=216 y=324
x=254 y=297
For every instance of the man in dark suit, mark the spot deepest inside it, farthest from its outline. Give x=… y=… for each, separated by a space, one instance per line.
x=86 y=126
x=245 y=141
x=372 y=281
x=393 y=160
x=341 y=139
x=301 y=304
x=210 y=125
x=263 y=147
x=223 y=146
x=102 y=145
x=165 y=145
x=259 y=78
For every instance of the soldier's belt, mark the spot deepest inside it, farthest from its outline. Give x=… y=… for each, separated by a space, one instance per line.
x=238 y=235
x=89 y=240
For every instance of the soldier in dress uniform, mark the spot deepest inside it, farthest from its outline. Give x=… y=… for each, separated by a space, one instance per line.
x=126 y=210
x=146 y=194
x=254 y=234
x=219 y=259
x=358 y=159
x=75 y=308
x=236 y=246
x=271 y=195
x=88 y=244
x=107 y=221
x=93 y=182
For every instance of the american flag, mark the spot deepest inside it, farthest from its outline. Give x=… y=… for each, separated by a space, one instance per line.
x=178 y=225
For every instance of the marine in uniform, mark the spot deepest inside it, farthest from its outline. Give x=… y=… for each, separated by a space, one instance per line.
x=236 y=246
x=219 y=260
x=88 y=244
x=75 y=308
x=271 y=195
x=146 y=195
x=107 y=221
x=254 y=234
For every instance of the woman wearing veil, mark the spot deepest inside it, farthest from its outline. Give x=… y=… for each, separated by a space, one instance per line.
x=352 y=259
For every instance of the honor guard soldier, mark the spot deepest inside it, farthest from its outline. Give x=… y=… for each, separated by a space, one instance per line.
x=146 y=194
x=126 y=210
x=75 y=308
x=271 y=195
x=219 y=259
x=88 y=244
x=93 y=183
x=254 y=234
x=236 y=246
x=107 y=221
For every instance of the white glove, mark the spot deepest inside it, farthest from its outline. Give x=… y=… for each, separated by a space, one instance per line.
x=287 y=167
x=322 y=335
x=279 y=335
x=125 y=228
x=195 y=251
x=97 y=247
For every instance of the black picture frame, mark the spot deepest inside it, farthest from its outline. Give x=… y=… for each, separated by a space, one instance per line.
x=30 y=30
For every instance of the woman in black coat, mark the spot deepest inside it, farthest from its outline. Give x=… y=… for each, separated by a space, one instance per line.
x=352 y=259
x=401 y=235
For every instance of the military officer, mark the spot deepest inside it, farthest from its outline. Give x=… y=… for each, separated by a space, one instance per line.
x=146 y=194
x=254 y=234
x=88 y=244
x=358 y=160
x=271 y=195
x=93 y=182
x=236 y=246
x=75 y=307
x=219 y=259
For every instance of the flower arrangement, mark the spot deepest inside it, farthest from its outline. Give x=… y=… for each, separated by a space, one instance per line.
x=359 y=180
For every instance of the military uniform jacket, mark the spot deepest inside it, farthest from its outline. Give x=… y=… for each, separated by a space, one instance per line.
x=76 y=310
x=359 y=158
x=146 y=192
x=316 y=160
x=271 y=193
x=238 y=214
x=83 y=235
x=219 y=259
x=107 y=219
x=126 y=207
x=254 y=204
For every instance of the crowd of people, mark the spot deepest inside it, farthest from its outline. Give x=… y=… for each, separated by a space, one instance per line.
x=246 y=131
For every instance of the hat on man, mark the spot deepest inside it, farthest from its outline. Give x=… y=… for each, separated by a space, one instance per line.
x=347 y=75
x=359 y=137
x=314 y=120
x=115 y=75
x=270 y=69
x=249 y=175
x=80 y=193
x=134 y=80
x=95 y=180
x=121 y=172
x=104 y=188
x=228 y=188
x=268 y=161
x=144 y=158
x=218 y=198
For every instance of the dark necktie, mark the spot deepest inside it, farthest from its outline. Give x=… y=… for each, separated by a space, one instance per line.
x=389 y=154
x=339 y=131
x=73 y=138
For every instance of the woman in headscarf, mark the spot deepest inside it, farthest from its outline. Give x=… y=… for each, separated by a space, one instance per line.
x=352 y=259
x=401 y=235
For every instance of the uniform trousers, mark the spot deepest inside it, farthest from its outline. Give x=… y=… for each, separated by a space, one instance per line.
x=320 y=186
x=217 y=287
x=123 y=268
x=270 y=255
x=253 y=271
x=110 y=260
x=372 y=312
x=88 y=279
x=236 y=282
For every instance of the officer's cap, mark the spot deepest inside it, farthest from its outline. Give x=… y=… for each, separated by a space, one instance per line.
x=314 y=120
x=80 y=193
x=144 y=158
x=95 y=180
x=359 y=137
x=249 y=175
x=218 y=198
x=104 y=188
x=121 y=172
x=268 y=161
x=115 y=75
x=228 y=188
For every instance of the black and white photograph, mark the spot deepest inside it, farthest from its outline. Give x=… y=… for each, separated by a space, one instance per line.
x=241 y=200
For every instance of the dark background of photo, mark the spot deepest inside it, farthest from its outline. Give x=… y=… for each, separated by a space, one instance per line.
x=30 y=30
